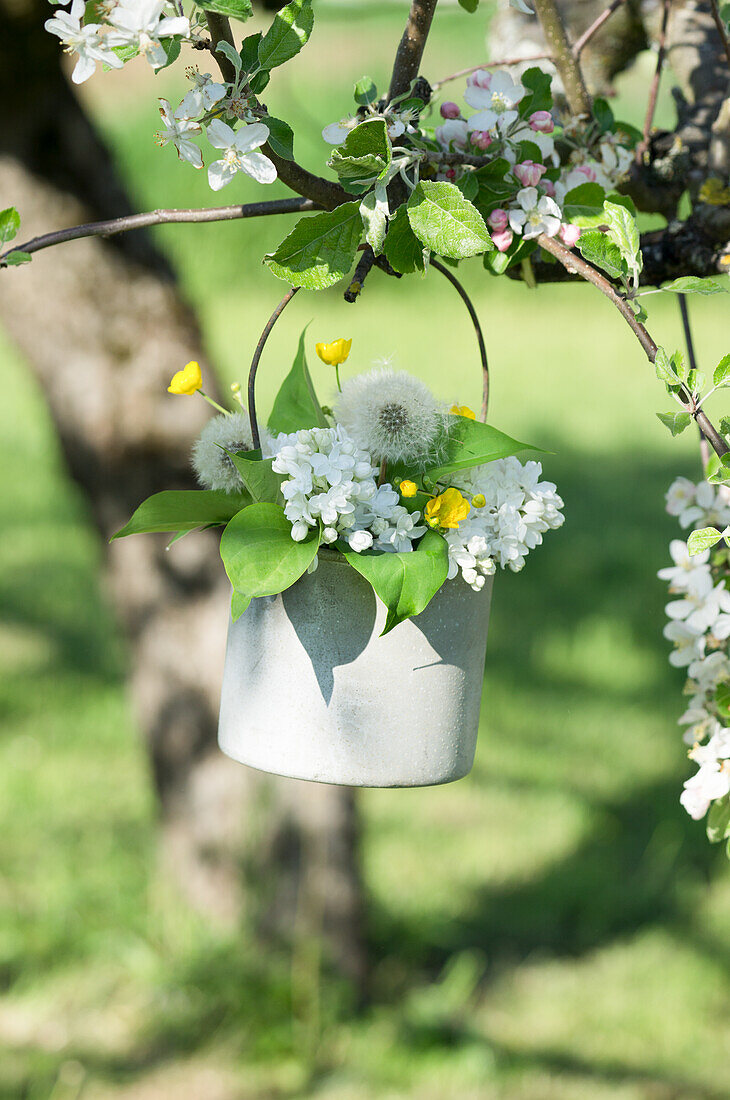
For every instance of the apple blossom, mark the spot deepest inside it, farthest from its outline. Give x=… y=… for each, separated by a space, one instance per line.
x=83 y=40
x=541 y=122
x=240 y=155
x=502 y=239
x=140 y=23
x=569 y=234
x=454 y=132
x=178 y=127
x=498 y=218
x=482 y=139
x=535 y=215
x=529 y=173
x=450 y=110
x=495 y=104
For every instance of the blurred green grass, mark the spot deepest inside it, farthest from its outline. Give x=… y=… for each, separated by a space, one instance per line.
x=551 y=927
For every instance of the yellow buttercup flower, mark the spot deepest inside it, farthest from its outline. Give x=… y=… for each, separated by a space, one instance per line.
x=447 y=510
x=408 y=488
x=463 y=410
x=187 y=381
x=335 y=353
x=479 y=500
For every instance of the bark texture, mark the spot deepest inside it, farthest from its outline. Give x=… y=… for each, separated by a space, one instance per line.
x=103 y=326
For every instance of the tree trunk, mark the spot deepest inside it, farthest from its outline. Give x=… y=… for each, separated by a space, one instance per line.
x=103 y=327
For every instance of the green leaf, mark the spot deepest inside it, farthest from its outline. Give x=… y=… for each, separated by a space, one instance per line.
x=404 y=582
x=675 y=421
x=602 y=252
x=183 y=510
x=584 y=204
x=9 y=224
x=287 y=34
x=469 y=5
x=469 y=186
x=259 y=554
x=720 y=474
x=16 y=257
x=722 y=698
x=725 y=425
x=403 y=250
x=365 y=91
x=603 y=115
x=365 y=154
x=374 y=214
x=471 y=443
x=664 y=367
x=281 y=137
x=249 y=52
x=446 y=222
x=171 y=46
x=296 y=405
x=690 y=284
x=703 y=539
x=722 y=371
x=234 y=9
x=623 y=231
x=718 y=820
x=239 y=604
x=256 y=474
x=320 y=250
x=538 y=82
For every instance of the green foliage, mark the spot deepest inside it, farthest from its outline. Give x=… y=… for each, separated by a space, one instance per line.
x=718 y=819
x=259 y=554
x=602 y=252
x=9 y=224
x=703 y=539
x=471 y=443
x=365 y=154
x=232 y=9
x=373 y=210
x=183 y=510
x=668 y=369
x=320 y=250
x=690 y=284
x=260 y=481
x=281 y=137
x=17 y=257
x=404 y=582
x=365 y=91
x=722 y=699
x=584 y=204
x=540 y=99
x=624 y=233
x=603 y=114
x=722 y=372
x=249 y=55
x=469 y=5
x=675 y=421
x=719 y=474
x=403 y=250
x=287 y=34
x=239 y=603
x=296 y=405
x=447 y=223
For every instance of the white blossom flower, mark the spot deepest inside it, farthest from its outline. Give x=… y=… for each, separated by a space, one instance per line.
x=178 y=127
x=213 y=467
x=210 y=91
x=495 y=104
x=710 y=781
x=84 y=40
x=453 y=133
x=689 y=572
x=537 y=214
x=679 y=497
x=393 y=416
x=241 y=153
x=688 y=640
x=141 y=23
x=702 y=606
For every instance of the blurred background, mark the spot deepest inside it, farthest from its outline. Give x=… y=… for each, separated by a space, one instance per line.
x=173 y=925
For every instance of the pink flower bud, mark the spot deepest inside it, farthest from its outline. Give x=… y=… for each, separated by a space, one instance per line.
x=450 y=174
x=498 y=219
x=482 y=139
x=587 y=171
x=549 y=188
x=480 y=79
x=502 y=239
x=529 y=173
x=569 y=234
x=450 y=110
x=542 y=122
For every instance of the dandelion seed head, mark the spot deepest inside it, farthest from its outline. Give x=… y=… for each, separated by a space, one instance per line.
x=213 y=467
x=392 y=415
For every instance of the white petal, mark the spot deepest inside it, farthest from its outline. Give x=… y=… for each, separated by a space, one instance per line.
x=250 y=137
x=220 y=174
x=85 y=67
x=483 y=120
x=189 y=152
x=173 y=25
x=220 y=135
x=259 y=167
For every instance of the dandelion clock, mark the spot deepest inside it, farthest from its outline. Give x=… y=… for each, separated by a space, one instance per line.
x=361 y=538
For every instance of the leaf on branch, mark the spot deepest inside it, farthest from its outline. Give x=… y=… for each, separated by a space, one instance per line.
x=403 y=250
x=365 y=155
x=584 y=204
x=287 y=34
x=718 y=819
x=256 y=474
x=281 y=137
x=603 y=114
x=664 y=367
x=17 y=257
x=624 y=232
x=602 y=252
x=447 y=223
x=722 y=372
x=539 y=84
x=259 y=554
x=374 y=213
x=404 y=582
x=469 y=5
x=233 y=9
x=675 y=421
x=365 y=91
x=720 y=472
x=9 y=224
x=690 y=284
x=703 y=539
x=296 y=405
x=472 y=443
x=183 y=510
x=320 y=250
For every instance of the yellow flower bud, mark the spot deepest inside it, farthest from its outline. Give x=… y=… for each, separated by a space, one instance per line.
x=335 y=353
x=235 y=387
x=463 y=410
x=408 y=488
x=187 y=381
x=447 y=510
x=479 y=500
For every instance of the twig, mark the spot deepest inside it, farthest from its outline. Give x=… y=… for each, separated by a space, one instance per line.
x=114 y=226
x=255 y=363
x=492 y=65
x=576 y=93
x=720 y=28
x=684 y=311
x=580 y=43
x=477 y=327
x=364 y=266
x=410 y=49
x=576 y=264
x=654 y=87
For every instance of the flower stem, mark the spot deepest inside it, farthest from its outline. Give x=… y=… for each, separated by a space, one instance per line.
x=214 y=403
x=383 y=469
x=337 y=376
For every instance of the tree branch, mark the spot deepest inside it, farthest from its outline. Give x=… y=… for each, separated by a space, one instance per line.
x=114 y=226
x=654 y=87
x=412 y=44
x=492 y=65
x=720 y=28
x=580 y=43
x=578 y=265
x=576 y=93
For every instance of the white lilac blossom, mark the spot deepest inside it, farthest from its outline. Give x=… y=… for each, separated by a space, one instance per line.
x=536 y=214
x=496 y=103
x=179 y=125
x=699 y=627
x=84 y=40
x=240 y=153
x=331 y=481
x=511 y=510
x=213 y=466
x=141 y=23
x=393 y=416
